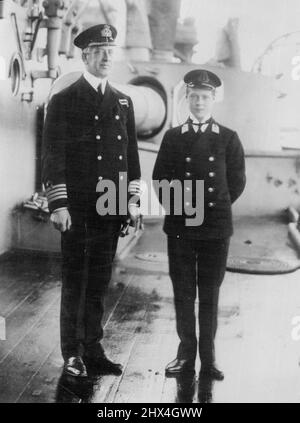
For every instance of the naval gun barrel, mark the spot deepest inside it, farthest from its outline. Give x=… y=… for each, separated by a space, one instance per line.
x=149 y=108
x=148 y=97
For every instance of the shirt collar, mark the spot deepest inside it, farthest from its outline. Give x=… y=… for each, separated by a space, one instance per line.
x=94 y=81
x=195 y=120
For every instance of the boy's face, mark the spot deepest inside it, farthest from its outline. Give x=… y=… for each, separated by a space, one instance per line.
x=200 y=101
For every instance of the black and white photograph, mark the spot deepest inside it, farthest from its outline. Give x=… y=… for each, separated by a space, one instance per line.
x=149 y=204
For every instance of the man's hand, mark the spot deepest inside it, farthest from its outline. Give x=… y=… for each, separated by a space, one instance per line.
x=136 y=218
x=61 y=220
x=134 y=212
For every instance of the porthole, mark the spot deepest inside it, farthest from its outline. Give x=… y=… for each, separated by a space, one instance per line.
x=15 y=74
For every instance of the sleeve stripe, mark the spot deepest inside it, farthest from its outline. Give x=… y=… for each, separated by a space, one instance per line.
x=55 y=192
x=56 y=189
x=56 y=197
x=56 y=186
x=49 y=190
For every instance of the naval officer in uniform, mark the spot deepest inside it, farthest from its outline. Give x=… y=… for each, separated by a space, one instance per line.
x=200 y=149
x=89 y=136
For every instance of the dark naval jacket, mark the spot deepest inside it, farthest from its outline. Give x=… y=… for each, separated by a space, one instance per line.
x=214 y=156
x=87 y=139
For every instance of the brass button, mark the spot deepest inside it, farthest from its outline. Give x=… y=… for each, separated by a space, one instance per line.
x=121 y=157
x=211 y=204
x=99 y=157
x=98 y=137
x=117 y=117
x=121 y=177
x=188 y=159
x=187 y=174
x=211 y=159
x=119 y=137
x=211 y=189
x=211 y=174
x=96 y=117
x=100 y=178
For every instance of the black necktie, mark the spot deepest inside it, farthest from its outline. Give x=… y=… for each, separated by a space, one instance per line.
x=199 y=125
x=100 y=94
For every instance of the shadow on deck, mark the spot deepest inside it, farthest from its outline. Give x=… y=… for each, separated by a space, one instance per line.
x=254 y=344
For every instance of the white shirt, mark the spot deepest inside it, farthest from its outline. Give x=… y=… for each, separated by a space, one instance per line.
x=196 y=121
x=94 y=81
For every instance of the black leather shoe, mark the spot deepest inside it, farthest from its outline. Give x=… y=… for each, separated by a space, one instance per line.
x=102 y=364
x=212 y=372
x=179 y=365
x=74 y=366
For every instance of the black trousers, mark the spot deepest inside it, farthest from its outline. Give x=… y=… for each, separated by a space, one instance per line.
x=197 y=264
x=88 y=250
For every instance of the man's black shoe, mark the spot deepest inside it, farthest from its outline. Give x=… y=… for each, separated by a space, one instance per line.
x=74 y=366
x=212 y=372
x=102 y=364
x=180 y=365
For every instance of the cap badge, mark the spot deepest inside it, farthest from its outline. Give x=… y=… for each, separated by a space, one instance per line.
x=203 y=77
x=106 y=32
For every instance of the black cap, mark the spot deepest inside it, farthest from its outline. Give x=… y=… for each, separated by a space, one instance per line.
x=201 y=78
x=102 y=35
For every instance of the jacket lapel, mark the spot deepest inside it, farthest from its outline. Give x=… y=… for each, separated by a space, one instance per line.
x=86 y=93
x=214 y=136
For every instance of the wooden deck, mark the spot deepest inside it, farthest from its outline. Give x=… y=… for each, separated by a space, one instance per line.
x=254 y=344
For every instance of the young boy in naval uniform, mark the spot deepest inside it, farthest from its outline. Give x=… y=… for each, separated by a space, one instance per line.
x=199 y=150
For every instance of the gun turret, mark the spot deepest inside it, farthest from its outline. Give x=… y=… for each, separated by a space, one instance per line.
x=148 y=97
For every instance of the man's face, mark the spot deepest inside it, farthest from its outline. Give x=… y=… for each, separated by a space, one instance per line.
x=98 y=60
x=200 y=101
